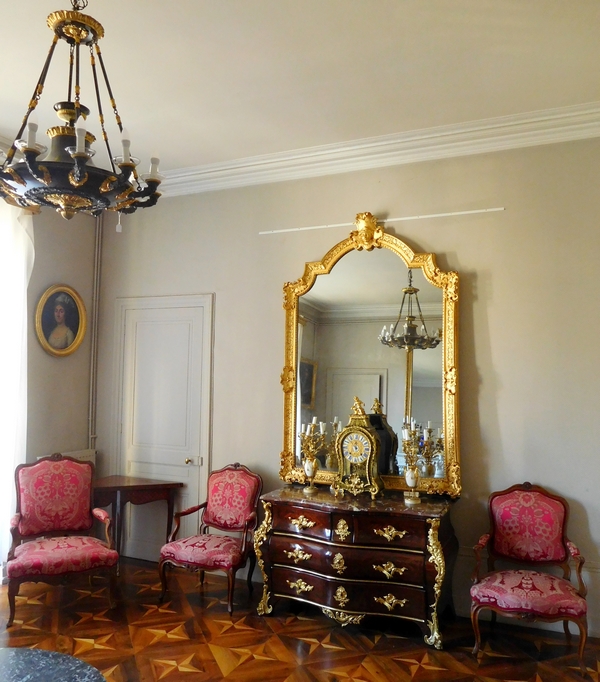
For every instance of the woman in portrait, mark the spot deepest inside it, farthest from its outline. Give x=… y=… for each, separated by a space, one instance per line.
x=62 y=336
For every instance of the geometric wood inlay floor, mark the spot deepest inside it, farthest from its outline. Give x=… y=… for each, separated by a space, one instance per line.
x=191 y=637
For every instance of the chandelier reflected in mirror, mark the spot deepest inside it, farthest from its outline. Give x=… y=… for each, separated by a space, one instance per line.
x=65 y=177
x=403 y=334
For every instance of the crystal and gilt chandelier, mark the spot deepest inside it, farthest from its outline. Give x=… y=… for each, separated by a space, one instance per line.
x=65 y=177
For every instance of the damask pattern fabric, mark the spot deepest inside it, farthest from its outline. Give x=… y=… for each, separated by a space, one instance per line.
x=54 y=496
x=55 y=556
x=206 y=551
x=230 y=499
x=528 y=526
x=529 y=592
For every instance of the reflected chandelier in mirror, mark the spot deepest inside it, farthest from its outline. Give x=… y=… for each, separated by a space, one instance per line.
x=333 y=322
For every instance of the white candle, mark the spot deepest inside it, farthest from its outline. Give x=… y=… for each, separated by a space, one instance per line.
x=322 y=426
x=80 y=133
x=314 y=421
x=126 y=142
x=303 y=429
x=405 y=434
x=426 y=434
x=412 y=423
x=154 y=161
x=31 y=131
x=428 y=425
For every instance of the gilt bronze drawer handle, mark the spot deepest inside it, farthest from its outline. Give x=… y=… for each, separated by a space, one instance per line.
x=389 y=533
x=338 y=563
x=390 y=602
x=342 y=530
x=298 y=555
x=388 y=569
x=341 y=596
x=300 y=586
x=302 y=522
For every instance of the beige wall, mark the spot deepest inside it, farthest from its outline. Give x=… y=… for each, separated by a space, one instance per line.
x=59 y=387
x=529 y=370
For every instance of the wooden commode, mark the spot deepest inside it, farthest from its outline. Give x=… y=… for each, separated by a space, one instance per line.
x=357 y=557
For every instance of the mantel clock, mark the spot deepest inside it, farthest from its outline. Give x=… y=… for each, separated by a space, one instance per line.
x=357 y=447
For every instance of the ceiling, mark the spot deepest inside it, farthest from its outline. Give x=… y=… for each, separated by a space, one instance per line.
x=213 y=84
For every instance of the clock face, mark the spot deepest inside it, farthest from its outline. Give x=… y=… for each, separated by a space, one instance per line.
x=356 y=447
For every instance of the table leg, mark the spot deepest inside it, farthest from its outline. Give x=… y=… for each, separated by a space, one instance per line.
x=170 y=510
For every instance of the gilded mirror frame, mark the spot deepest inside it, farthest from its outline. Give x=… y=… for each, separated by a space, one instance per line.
x=367 y=236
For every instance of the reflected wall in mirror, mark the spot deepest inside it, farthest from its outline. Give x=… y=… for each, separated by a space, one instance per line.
x=334 y=317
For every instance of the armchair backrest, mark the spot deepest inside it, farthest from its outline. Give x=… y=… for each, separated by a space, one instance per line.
x=528 y=524
x=54 y=494
x=233 y=494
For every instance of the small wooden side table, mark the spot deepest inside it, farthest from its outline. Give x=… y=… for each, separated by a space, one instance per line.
x=117 y=491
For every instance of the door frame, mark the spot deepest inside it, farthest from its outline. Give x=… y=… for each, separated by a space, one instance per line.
x=122 y=306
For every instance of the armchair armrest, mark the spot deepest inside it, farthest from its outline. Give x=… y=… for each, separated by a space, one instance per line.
x=104 y=518
x=481 y=544
x=16 y=536
x=250 y=521
x=579 y=561
x=177 y=516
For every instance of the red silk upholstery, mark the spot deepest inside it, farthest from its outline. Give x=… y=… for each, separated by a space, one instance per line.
x=206 y=551
x=231 y=506
x=54 y=496
x=53 y=556
x=539 y=594
x=51 y=527
x=230 y=499
x=528 y=526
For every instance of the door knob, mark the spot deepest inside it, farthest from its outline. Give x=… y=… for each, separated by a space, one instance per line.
x=188 y=460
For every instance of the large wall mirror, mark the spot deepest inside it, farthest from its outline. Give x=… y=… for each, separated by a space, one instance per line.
x=334 y=318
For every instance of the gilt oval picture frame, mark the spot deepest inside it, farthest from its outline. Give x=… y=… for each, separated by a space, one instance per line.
x=60 y=320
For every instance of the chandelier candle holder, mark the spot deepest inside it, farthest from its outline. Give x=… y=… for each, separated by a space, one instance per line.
x=66 y=178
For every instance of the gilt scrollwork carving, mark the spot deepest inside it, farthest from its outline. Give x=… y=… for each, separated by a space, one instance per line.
x=341 y=596
x=388 y=569
x=343 y=618
x=338 y=563
x=302 y=522
x=300 y=586
x=390 y=601
x=436 y=557
x=298 y=555
x=260 y=535
x=342 y=530
x=389 y=533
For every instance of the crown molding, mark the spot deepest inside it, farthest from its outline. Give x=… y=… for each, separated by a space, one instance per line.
x=548 y=126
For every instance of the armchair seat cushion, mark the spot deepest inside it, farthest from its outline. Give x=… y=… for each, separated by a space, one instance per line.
x=204 y=551
x=54 y=556
x=529 y=592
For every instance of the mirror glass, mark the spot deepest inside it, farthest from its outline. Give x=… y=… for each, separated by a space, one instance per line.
x=334 y=317
x=339 y=323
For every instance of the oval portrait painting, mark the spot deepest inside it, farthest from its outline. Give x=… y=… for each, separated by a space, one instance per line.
x=60 y=320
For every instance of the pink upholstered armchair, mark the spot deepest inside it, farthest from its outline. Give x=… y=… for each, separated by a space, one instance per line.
x=528 y=526
x=51 y=529
x=231 y=506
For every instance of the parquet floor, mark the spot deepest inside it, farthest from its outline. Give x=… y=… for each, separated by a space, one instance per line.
x=192 y=638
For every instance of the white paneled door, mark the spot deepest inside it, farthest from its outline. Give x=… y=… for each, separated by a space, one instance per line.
x=164 y=407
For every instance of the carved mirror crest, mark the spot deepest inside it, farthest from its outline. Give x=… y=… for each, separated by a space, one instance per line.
x=333 y=319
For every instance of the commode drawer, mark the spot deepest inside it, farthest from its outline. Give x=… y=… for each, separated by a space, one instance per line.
x=390 y=531
x=355 y=563
x=298 y=521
